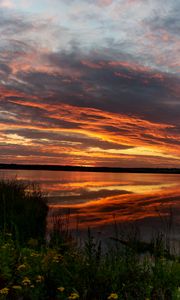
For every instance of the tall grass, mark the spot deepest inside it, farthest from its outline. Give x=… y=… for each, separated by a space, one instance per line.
x=23 y=210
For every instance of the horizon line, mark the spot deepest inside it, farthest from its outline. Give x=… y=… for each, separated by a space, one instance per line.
x=52 y=167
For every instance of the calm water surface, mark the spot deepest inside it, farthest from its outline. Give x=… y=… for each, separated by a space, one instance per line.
x=98 y=200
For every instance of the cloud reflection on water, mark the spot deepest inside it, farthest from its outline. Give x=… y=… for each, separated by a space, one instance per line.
x=97 y=199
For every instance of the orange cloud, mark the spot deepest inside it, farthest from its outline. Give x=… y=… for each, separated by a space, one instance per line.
x=118 y=130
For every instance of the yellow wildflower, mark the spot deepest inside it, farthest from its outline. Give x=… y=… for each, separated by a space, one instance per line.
x=32 y=286
x=34 y=254
x=17 y=287
x=26 y=281
x=39 y=278
x=33 y=243
x=61 y=289
x=4 y=291
x=21 y=267
x=73 y=296
x=56 y=259
x=9 y=234
x=4 y=246
x=113 y=296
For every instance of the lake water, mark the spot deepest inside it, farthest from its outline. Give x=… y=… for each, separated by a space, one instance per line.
x=101 y=200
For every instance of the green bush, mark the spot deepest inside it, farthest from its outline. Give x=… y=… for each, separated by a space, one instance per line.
x=50 y=273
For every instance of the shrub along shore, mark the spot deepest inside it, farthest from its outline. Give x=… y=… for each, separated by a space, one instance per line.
x=33 y=269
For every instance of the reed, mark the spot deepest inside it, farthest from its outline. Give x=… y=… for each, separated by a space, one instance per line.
x=23 y=210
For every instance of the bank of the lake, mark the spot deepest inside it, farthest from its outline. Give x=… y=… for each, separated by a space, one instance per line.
x=32 y=268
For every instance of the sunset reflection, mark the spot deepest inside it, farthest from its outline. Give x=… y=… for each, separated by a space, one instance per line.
x=125 y=206
x=121 y=197
x=97 y=199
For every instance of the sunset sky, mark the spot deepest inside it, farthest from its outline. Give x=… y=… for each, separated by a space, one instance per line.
x=90 y=82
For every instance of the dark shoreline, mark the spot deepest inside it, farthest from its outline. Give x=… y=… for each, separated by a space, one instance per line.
x=89 y=169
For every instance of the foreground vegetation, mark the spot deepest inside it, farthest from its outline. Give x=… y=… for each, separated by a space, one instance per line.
x=31 y=269
x=23 y=210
